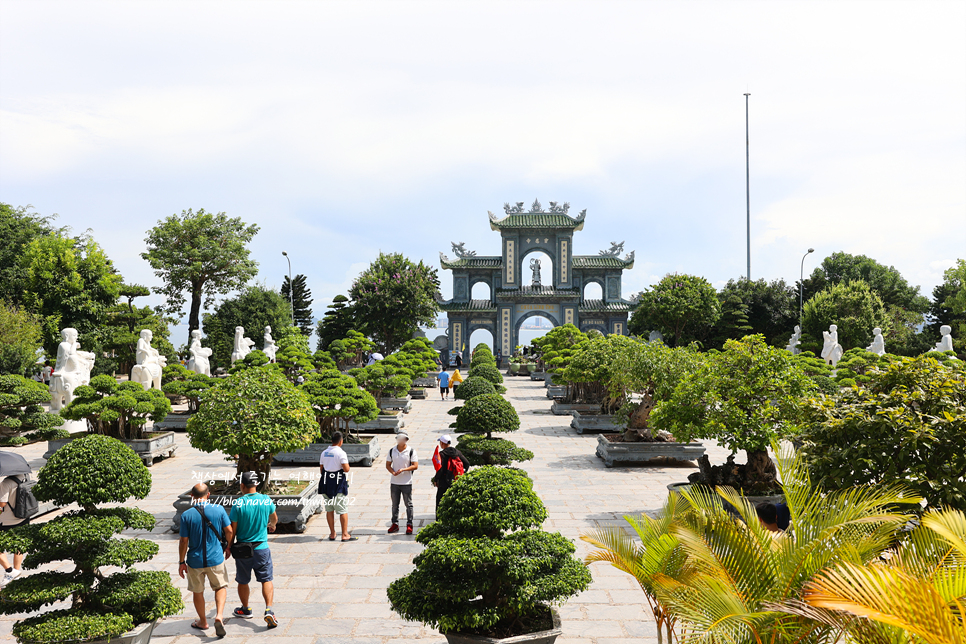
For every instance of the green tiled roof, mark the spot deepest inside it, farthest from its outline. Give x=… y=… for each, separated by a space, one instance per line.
x=494 y=263
x=602 y=261
x=538 y=291
x=472 y=305
x=537 y=220
x=601 y=305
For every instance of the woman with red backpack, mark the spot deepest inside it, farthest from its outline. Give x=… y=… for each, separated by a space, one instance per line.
x=450 y=464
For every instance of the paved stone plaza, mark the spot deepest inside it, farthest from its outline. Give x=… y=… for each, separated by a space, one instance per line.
x=330 y=592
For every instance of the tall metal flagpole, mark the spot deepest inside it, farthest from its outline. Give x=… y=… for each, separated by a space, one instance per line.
x=747 y=187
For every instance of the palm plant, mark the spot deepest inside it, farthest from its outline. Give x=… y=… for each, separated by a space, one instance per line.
x=712 y=578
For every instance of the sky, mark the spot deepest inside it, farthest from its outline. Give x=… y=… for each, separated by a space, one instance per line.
x=348 y=128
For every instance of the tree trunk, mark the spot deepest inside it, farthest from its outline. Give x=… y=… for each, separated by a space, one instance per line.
x=261 y=463
x=194 y=316
x=638 y=420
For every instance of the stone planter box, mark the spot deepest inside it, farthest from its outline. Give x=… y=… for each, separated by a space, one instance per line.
x=175 y=422
x=362 y=454
x=643 y=452
x=538 y=375
x=381 y=425
x=417 y=393
x=404 y=404
x=140 y=634
x=563 y=409
x=425 y=382
x=594 y=423
x=540 y=637
x=291 y=508
x=556 y=391
x=160 y=444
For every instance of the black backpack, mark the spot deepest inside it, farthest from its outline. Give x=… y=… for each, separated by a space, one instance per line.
x=27 y=505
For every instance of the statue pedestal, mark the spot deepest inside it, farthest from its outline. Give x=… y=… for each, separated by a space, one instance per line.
x=74 y=426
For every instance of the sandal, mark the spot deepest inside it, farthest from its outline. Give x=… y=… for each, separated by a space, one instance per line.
x=194 y=624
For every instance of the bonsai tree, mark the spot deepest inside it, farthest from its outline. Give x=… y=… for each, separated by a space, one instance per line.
x=255 y=358
x=254 y=413
x=176 y=380
x=420 y=352
x=489 y=523
x=293 y=357
x=906 y=424
x=323 y=360
x=557 y=349
x=473 y=387
x=856 y=365
x=385 y=379
x=22 y=418
x=117 y=409
x=90 y=471
x=487 y=371
x=336 y=399
x=350 y=352
x=477 y=420
x=592 y=366
x=744 y=397
x=818 y=370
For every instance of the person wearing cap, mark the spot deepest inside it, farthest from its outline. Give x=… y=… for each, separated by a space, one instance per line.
x=204 y=538
x=252 y=517
x=444 y=478
x=334 y=486
x=401 y=463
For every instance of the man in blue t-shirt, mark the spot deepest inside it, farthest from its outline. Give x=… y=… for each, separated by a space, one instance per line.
x=202 y=550
x=443 y=384
x=252 y=518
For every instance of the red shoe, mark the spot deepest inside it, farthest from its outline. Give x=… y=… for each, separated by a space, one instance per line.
x=409 y=529
x=394 y=528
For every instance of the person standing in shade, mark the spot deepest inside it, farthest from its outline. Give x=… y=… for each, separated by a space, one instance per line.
x=401 y=463
x=205 y=535
x=252 y=517
x=9 y=521
x=443 y=378
x=459 y=359
x=334 y=486
x=451 y=462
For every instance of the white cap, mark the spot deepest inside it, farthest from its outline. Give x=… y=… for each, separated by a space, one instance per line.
x=445 y=439
x=402 y=435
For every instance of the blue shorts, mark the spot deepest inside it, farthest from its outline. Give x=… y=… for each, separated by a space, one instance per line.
x=261 y=563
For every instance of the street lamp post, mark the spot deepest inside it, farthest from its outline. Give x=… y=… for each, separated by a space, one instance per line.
x=801 y=286
x=291 y=286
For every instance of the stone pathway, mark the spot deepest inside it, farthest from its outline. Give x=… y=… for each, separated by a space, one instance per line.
x=333 y=593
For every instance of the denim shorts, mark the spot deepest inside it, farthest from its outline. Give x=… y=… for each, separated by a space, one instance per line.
x=261 y=564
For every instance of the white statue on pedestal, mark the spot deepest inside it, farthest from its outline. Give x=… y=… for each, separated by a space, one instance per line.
x=243 y=345
x=946 y=344
x=199 y=355
x=832 y=351
x=72 y=369
x=878 y=342
x=794 y=341
x=147 y=371
x=270 y=348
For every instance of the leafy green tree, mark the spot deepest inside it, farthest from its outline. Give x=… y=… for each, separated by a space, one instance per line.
x=338 y=320
x=419 y=355
x=18 y=227
x=949 y=306
x=853 y=307
x=733 y=323
x=487 y=371
x=201 y=255
x=293 y=357
x=300 y=300
x=123 y=324
x=592 y=368
x=488 y=522
x=482 y=355
x=745 y=397
x=21 y=336
x=68 y=282
x=120 y=410
x=350 y=351
x=337 y=400
x=254 y=413
x=393 y=297
x=176 y=380
x=254 y=308
x=771 y=309
x=857 y=365
x=385 y=379
x=682 y=307
x=22 y=416
x=906 y=424
x=89 y=471
x=557 y=347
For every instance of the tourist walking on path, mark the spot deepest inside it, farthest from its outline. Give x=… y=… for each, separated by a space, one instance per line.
x=202 y=549
x=443 y=378
x=455 y=380
x=401 y=463
x=8 y=521
x=252 y=517
x=459 y=359
x=334 y=486
x=452 y=465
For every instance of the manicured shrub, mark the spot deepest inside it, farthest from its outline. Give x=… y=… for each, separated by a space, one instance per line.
x=387 y=378
x=477 y=420
x=473 y=387
x=336 y=399
x=88 y=471
x=856 y=365
x=176 y=380
x=482 y=355
x=22 y=418
x=117 y=409
x=488 y=371
x=480 y=450
x=350 y=351
x=489 y=523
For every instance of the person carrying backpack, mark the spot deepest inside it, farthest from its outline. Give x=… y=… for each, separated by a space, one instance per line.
x=401 y=463
x=9 y=520
x=452 y=465
x=205 y=536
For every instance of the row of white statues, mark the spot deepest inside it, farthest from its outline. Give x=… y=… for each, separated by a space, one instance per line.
x=243 y=346
x=832 y=351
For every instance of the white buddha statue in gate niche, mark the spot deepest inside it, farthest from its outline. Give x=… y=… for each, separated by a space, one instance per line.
x=199 y=355
x=878 y=342
x=72 y=369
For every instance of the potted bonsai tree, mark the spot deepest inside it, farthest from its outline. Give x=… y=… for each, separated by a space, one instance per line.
x=556 y=348
x=256 y=413
x=489 y=523
x=418 y=356
x=121 y=410
x=388 y=381
x=336 y=400
x=122 y=606
x=587 y=374
x=178 y=382
x=477 y=420
x=22 y=418
x=350 y=352
x=745 y=397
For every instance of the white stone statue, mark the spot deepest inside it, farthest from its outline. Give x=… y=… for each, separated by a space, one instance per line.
x=199 y=355
x=270 y=348
x=832 y=351
x=243 y=345
x=946 y=343
x=794 y=341
x=72 y=369
x=878 y=342
x=147 y=371
x=535 y=267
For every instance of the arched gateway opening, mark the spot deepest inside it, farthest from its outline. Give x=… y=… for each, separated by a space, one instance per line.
x=532 y=327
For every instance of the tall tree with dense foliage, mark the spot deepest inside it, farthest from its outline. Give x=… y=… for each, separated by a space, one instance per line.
x=300 y=298
x=254 y=308
x=122 y=326
x=199 y=255
x=771 y=308
x=852 y=306
x=338 y=320
x=949 y=305
x=393 y=297
x=20 y=337
x=682 y=307
x=18 y=227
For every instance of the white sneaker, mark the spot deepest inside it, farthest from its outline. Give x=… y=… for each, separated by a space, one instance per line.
x=10 y=576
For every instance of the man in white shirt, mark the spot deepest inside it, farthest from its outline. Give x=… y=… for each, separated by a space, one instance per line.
x=401 y=463
x=8 y=521
x=334 y=486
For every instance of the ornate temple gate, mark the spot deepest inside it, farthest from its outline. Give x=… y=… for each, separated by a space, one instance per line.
x=517 y=291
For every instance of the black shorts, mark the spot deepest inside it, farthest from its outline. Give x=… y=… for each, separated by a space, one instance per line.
x=11 y=527
x=444 y=390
